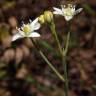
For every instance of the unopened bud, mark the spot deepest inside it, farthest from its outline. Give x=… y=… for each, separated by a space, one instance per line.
x=48 y=16
x=41 y=19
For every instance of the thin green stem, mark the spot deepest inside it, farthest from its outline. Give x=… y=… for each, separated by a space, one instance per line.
x=65 y=64
x=54 y=33
x=67 y=44
x=65 y=50
x=66 y=76
x=48 y=62
x=63 y=53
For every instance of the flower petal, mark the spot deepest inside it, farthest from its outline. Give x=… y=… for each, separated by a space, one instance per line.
x=21 y=32
x=67 y=18
x=57 y=11
x=34 y=34
x=16 y=36
x=35 y=25
x=78 y=11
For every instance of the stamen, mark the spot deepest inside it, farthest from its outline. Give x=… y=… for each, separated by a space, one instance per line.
x=70 y=6
x=63 y=6
x=26 y=28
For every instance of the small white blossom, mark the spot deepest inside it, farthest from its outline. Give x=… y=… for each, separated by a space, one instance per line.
x=67 y=11
x=27 y=30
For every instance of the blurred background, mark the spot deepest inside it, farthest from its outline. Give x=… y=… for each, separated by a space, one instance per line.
x=22 y=70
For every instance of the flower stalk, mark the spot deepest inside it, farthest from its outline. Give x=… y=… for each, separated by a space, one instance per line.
x=65 y=64
x=54 y=33
x=47 y=61
x=63 y=53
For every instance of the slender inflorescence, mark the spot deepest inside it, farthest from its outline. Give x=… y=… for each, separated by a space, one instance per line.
x=29 y=30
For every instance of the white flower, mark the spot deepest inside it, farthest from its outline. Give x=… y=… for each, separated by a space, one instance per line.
x=67 y=11
x=27 y=30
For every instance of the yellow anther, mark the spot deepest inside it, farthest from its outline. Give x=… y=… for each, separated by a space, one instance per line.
x=69 y=10
x=26 y=28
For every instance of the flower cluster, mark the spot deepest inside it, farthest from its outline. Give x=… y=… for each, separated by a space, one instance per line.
x=28 y=30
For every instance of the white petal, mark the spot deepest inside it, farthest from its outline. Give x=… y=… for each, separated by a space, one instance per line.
x=16 y=36
x=78 y=11
x=34 y=21
x=35 y=25
x=67 y=18
x=57 y=11
x=34 y=34
x=21 y=32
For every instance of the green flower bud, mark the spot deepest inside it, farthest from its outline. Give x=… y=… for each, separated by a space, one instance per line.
x=41 y=19
x=48 y=16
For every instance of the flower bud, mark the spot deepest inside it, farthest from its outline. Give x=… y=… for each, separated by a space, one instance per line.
x=48 y=16
x=41 y=19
